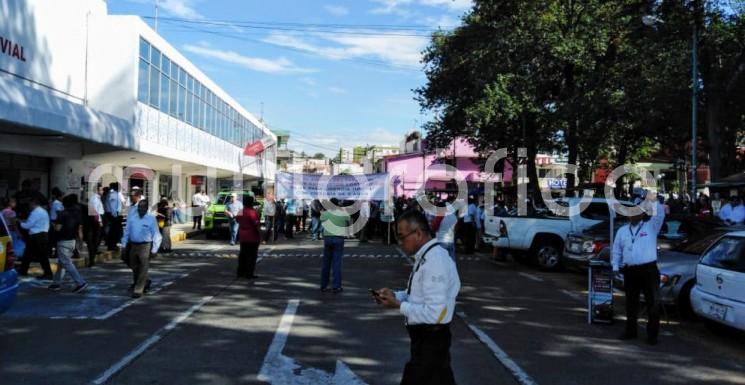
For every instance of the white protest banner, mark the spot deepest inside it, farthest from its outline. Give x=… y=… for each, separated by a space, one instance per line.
x=343 y=187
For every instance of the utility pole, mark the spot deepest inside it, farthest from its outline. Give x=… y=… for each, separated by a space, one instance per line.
x=157 y=3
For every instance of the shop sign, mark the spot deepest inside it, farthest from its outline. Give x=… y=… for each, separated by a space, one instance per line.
x=12 y=49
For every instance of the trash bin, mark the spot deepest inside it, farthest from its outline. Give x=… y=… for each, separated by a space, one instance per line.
x=600 y=292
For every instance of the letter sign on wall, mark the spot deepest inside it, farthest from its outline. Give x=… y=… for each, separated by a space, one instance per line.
x=15 y=50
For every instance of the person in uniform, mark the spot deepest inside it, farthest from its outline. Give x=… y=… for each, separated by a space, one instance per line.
x=634 y=254
x=428 y=303
x=143 y=236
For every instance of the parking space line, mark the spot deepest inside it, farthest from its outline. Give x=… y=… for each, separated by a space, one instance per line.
x=531 y=277
x=573 y=295
x=131 y=356
x=518 y=373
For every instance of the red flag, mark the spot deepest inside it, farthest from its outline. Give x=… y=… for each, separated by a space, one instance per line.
x=253 y=149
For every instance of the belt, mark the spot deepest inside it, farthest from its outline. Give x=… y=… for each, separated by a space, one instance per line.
x=640 y=265
x=429 y=327
x=140 y=243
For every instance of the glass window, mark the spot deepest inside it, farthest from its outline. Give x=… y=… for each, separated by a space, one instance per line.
x=173 y=106
x=164 y=92
x=165 y=65
x=181 y=103
x=190 y=83
x=728 y=254
x=144 y=49
x=189 y=106
x=143 y=77
x=197 y=112
x=155 y=57
x=174 y=71
x=154 y=86
x=181 y=77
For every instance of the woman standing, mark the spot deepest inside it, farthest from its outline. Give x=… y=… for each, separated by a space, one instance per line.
x=164 y=216
x=249 y=237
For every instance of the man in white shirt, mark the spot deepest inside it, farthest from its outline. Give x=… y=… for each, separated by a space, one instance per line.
x=198 y=204
x=726 y=211
x=95 y=224
x=114 y=203
x=270 y=210
x=634 y=254
x=143 y=236
x=738 y=212
x=428 y=303
x=37 y=247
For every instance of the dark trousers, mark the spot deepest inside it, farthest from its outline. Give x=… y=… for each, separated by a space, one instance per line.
x=37 y=250
x=197 y=222
x=115 y=231
x=93 y=239
x=139 y=262
x=642 y=279
x=333 y=250
x=469 y=237
x=247 y=259
x=269 y=222
x=430 y=356
x=289 y=225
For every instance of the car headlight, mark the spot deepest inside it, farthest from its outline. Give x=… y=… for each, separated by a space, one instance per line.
x=587 y=246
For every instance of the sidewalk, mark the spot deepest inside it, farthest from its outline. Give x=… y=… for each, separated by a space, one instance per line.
x=179 y=233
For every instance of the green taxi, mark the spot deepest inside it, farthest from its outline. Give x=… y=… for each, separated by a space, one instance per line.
x=215 y=220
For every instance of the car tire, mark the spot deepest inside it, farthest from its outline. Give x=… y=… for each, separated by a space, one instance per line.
x=547 y=254
x=684 y=302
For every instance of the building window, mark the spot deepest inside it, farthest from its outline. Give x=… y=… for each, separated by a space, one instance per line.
x=173 y=106
x=144 y=49
x=154 y=86
x=155 y=57
x=164 y=83
x=143 y=77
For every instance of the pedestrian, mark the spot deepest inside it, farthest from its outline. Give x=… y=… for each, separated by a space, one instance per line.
x=446 y=228
x=279 y=217
x=299 y=221
x=270 y=210
x=165 y=219
x=37 y=248
x=24 y=197
x=197 y=208
x=315 y=219
x=290 y=218
x=142 y=235
x=634 y=254
x=428 y=303
x=232 y=210
x=249 y=237
x=738 y=212
x=113 y=206
x=8 y=212
x=95 y=213
x=336 y=224
x=69 y=230
x=469 y=226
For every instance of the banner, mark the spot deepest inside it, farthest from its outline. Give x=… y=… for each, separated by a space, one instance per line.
x=343 y=187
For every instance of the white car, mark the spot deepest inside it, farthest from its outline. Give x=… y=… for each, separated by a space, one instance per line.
x=719 y=293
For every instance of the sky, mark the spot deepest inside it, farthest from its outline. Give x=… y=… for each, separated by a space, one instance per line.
x=334 y=73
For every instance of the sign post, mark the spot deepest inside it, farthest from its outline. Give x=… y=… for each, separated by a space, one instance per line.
x=600 y=293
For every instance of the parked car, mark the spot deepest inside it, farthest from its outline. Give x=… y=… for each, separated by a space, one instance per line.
x=719 y=293
x=215 y=219
x=543 y=234
x=8 y=276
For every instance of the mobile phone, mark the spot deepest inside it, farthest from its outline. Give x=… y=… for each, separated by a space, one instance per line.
x=374 y=293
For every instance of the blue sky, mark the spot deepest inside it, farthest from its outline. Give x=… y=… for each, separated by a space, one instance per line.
x=333 y=73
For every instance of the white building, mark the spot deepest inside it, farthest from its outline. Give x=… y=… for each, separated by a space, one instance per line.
x=87 y=97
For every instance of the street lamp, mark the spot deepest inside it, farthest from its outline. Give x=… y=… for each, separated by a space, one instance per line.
x=650 y=20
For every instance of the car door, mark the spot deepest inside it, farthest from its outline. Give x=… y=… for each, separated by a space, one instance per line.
x=721 y=271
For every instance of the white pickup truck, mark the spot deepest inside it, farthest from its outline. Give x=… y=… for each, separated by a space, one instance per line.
x=543 y=234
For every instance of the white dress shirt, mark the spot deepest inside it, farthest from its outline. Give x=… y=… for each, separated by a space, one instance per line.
x=446 y=231
x=725 y=212
x=114 y=202
x=95 y=206
x=142 y=229
x=637 y=245
x=434 y=285
x=37 y=222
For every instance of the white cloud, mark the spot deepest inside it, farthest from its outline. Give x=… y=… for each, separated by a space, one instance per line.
x=272 y=66
x=444 y=22
x=309 y=82
x=181 y=8
x=396 y=50
x=336 y=10
x=338 y=90
x=400 y=7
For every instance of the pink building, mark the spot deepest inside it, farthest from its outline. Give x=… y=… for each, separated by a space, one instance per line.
x=410 y=170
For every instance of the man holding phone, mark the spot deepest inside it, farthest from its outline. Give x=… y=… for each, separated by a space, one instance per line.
x=428 y=303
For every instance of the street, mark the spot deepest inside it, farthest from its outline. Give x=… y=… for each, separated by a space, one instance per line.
x=200 y=325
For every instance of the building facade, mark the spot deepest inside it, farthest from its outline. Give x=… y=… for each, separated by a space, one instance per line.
x=95 y=98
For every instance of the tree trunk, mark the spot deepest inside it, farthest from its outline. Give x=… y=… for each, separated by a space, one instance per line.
x=713 y=128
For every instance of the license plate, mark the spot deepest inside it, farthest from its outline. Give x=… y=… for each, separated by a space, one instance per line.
x=718 y=311
x=224 y=225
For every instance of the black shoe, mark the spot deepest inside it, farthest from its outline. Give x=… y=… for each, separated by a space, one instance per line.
x=54 y=287
x=147 y=286
x=652 y=341
x=627 y=336
x=325 y=290
x=253 y=276
x=337 y=290
x=80 y=288
x=136 y=295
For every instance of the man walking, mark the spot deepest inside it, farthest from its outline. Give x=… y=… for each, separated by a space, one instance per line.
x=290 y=217
x=232 y=210
x=198 y=204
x=37 y=247
x=114 y=202
x=315 y=220
x=143 y=237
x=635 y=255
x=95 y=224
x=428 y=303
x=336 y=224
x=269 y=213
x=69 y=228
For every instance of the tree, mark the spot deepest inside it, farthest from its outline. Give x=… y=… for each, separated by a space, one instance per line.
x=319 y=155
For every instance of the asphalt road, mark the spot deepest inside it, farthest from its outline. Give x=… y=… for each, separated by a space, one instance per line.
x=202 y=326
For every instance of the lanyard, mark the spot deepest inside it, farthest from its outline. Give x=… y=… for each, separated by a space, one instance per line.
x=633 y=235
x=419 y=264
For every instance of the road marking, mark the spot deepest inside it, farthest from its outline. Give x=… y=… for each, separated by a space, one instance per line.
x=280 y=369
x=573 y=295
x=531 y=277
x=129 y=303
x=520 y=375
x=117 y=367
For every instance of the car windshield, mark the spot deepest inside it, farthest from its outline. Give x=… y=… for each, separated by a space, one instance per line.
x=697 y=246
x=223 y=198
x=728 y=253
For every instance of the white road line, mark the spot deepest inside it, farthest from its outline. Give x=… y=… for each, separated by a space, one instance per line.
x=129 y=303
x=520 y=375
x=283 y=331
x=116 y=368
x=574 y=295
x=531 y=277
